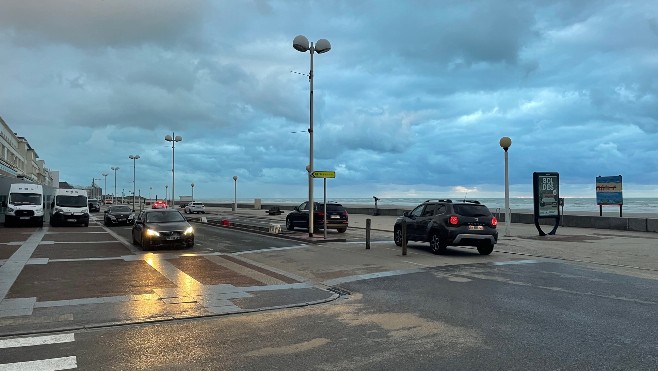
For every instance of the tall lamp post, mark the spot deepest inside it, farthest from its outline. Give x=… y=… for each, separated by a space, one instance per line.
x=173 y=139
x=114 y=195
x=506 y=142
x=166 y=193
x=192 y=191
x=301 y=44
x=235 y=193
x=105 y=188
x=134 y=158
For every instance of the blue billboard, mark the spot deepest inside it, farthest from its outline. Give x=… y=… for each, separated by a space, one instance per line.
x=609 y=190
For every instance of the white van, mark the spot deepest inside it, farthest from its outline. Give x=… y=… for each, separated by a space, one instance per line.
x=70 y=206
x=24 y=205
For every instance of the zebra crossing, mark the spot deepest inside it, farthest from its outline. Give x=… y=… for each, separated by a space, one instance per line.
x=50 y=364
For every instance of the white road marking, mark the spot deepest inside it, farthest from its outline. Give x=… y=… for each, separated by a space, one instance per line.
x=63 y=363
x=517 y=262
x=38 y=340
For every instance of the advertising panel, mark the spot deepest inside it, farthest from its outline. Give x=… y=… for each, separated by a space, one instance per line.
x=547 y=195
x=609 y=190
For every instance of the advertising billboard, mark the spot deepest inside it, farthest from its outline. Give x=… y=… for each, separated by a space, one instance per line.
x=609 y=190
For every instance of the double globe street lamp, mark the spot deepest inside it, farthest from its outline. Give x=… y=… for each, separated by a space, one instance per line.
x=301 y=44
x=173 y=139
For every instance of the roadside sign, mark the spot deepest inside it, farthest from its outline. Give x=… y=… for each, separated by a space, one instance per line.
x=323 y=174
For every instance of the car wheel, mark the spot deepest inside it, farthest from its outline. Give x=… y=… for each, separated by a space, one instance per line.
x=341 y=230
x=289 y=225
x=145 y=243
x=436 y=244
x=397 y=236
x=85 y=224
x=485 y=248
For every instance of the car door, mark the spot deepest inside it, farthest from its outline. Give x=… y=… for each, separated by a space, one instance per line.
x=423 y=221
x=411 y=218
x=300 y=216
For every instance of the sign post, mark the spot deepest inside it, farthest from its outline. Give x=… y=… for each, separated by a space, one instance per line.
x=324 y=175
x=609 y=192
x=546 y=192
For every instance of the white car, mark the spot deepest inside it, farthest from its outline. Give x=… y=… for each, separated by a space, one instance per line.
x=195 y=207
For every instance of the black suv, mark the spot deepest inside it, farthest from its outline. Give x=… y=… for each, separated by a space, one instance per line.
x=337 y=217
x=94 y=204
x=445 y=223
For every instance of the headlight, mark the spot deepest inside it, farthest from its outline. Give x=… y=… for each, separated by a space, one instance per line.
x=112 y=217
x=58 y=210
x=188 y=231
x=10 y=210
x=152 y=233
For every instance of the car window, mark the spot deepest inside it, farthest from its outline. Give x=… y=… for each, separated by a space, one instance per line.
x=119 y=209
x=418 y=210
x=429 y=210
x=303 y=206
x=441 y=209
x=471 y=210
x=333 y=207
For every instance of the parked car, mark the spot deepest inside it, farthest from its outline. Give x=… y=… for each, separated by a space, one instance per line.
x=195 y=207
x=164 y=227
x=119 y=214
x=337 y=217
x=108 y=201
x=159 y=204
x=94 y=204
x=445 y=223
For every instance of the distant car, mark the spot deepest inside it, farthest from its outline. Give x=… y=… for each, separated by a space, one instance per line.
x=118 y=215
x=167 y=227
x=337 y=217
x=159 y=205
x=445 y=223
x=108 y=201
x=195 y=207
x=94 y=204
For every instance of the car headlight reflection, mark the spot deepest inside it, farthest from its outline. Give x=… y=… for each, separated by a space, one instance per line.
x=188 y=231
x=152 y=233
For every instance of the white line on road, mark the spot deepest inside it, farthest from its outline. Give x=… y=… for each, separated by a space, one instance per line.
x=63 y=363
x=38 y=340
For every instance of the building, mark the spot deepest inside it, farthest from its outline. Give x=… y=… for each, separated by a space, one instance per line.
x=19 y=160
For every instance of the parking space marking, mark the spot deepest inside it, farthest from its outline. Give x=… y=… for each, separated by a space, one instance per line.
x=63 y=363
x=37 y=340
x=14 y=265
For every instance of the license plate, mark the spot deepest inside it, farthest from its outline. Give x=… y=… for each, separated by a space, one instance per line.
x=335 y=216
x=172 y=238
x=475 y=227
x=25 y=217
x=70 y=220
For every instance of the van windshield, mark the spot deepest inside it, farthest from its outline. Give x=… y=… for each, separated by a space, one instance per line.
x=25 y=198
x=71 y=201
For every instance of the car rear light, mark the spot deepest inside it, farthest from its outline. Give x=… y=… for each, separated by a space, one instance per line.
x=453 y=220
x=494 y=221
x=320 y=214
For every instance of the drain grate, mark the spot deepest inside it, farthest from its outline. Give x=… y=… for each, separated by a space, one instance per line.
x=339 y=290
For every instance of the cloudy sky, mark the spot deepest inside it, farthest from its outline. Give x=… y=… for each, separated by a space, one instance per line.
x=411 y=101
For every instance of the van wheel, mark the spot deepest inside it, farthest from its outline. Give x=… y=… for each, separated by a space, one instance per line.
x=437 y=245
x=342 y=230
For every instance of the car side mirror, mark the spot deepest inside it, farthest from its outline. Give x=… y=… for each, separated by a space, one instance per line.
x=296 y=208
x=406 y=213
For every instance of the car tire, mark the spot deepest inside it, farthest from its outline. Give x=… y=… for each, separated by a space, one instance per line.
x=397 y=236
x=437 y=245
x=485 y=248
x=289 y=225
x=145 y=243
x=341 y=230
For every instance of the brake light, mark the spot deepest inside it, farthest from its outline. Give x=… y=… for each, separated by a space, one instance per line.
x=453 y=220
x=494 y=221
x=320 y=214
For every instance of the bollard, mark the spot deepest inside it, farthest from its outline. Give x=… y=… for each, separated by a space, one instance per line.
x=404 y=237
x=368 y=234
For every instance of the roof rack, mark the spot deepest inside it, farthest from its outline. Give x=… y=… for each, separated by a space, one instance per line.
x=440 y=200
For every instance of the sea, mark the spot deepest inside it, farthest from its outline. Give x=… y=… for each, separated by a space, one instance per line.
x=631 y=205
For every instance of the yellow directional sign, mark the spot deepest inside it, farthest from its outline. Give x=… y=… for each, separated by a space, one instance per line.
x=323 y=174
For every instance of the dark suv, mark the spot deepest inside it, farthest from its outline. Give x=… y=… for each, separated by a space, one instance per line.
x=337 y=217
x=445 y=223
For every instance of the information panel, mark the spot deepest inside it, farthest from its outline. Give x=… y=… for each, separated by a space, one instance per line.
x=546 y=192
x=609 y=190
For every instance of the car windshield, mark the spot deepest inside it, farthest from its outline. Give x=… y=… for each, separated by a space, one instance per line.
x=330 y=207
x=472 y=210
x=165 y=217
x=120 y=209
x=71 y=201
x=25 y=198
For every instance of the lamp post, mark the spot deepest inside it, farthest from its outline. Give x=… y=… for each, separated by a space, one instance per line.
x=506 y=142
x=235 y=193
x=301 y=44
x=173 y=139
x=134 y=158
x=150 y=189
x=114 y=195
x=105 y=188
x=166 y=193
x=192 y=191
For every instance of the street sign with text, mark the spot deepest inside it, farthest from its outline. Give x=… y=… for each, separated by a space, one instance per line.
x=323 y=174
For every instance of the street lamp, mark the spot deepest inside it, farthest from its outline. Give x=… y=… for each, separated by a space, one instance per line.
x=134 y=158
x=173 y=139
x=192 y=191
x=105 y=188
x=114 y=195
x=506 y=142
x=166 y=193
x=235 y=193
x=301 y=44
